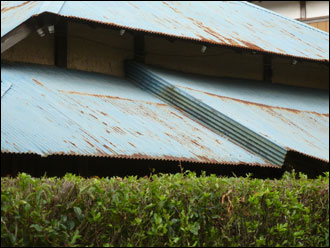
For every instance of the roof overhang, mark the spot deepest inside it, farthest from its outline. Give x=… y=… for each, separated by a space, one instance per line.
x=232 y=24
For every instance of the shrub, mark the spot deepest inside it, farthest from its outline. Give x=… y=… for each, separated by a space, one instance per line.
x=164 y=210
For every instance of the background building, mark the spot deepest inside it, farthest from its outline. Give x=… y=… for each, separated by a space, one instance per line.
x=314 y=13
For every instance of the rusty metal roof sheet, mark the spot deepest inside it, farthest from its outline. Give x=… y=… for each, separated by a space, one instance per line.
x=49 y=111
x=229 y=23
x=211 y=117
x=295 y=118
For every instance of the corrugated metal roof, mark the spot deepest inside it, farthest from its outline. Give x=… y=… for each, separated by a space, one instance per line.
x=295 y=118
x=229 y=23
x=211 y=117
x=56 y=111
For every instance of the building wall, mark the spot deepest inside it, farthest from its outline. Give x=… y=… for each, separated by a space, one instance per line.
x=98 y=49
x=305 y=73
x=289 y=9
x=33 y=49
x=321 y=25
x=317 y=8
x=216 y=61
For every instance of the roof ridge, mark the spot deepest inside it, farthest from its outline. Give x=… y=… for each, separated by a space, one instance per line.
x=284 y=17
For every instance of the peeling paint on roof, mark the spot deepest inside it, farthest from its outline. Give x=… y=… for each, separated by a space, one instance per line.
x=229 y=23
x=56 y=111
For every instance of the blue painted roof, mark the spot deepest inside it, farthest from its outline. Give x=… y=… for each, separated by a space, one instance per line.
x=47 y=110
x=210 y=117
x=295 y=118
x=229 y=23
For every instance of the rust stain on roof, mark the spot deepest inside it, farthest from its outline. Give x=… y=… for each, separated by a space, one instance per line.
x=118 y=130
x=89 y=135
x=73 y=144
x=93 y=116
x=108 y=148
x=134 y=6
x=203 y=158
x=15 y=7
x=101 y=153
x=131 y=144
x=196 y=143
x=176 y=115
x=251 y=46
x=213 y=33
x=110 y=97
x=89 y=143
x=172 y=8
x=254 y=103
x=111 y=143
x=37 y=82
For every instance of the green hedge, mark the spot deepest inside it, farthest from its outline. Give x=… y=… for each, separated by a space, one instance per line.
x=165 y=210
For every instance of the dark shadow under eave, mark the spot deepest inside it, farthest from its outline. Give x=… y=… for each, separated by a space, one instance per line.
x=310 y=166
x=58 y=165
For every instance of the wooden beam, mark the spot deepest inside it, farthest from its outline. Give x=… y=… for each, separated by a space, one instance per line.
x=267 y=71
x=15 y=36
x=60 y=43
x=302 y=10
x=315 y=19
x=139 y=55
